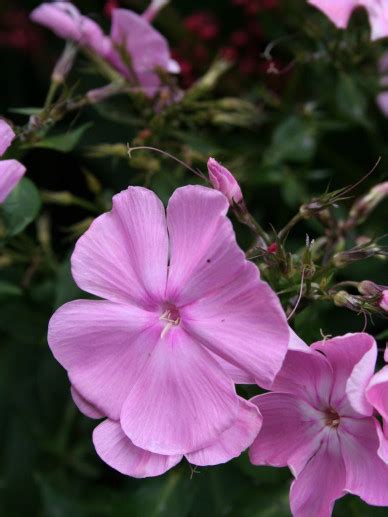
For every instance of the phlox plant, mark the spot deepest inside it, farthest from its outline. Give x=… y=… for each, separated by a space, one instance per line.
x=193 y=305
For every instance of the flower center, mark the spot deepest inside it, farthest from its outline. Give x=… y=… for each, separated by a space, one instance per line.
x=332 y=418
x=171 y=317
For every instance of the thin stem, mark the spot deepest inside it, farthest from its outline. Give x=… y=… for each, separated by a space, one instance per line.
x=50 y=96
x=285 y=231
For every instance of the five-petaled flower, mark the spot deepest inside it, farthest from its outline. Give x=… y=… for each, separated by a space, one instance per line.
x=184 y=315
x=11 y=171
x=134 y=48
x=339 y=12
x=318 y=421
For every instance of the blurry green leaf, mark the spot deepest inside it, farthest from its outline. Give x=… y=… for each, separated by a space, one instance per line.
x=57 y=504
x=65 y=142
x=350 y=99
x=294 y=139
x=8 y=289
x=21 y=207
x=383 y=335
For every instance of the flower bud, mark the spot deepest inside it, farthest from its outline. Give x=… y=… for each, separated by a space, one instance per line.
x=344 y=299
x=224 y=181
x=366 y=204
x=153 y=9
x=369 y=288
x=64 y=63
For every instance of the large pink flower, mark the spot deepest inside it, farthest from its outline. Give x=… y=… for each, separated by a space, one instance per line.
x=134 y=47
x=11 y=171
x=339 y=12
x=184 y=312
x=319 y=422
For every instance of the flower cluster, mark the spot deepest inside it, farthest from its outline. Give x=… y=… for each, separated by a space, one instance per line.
x=183 y=318
x=134 y=48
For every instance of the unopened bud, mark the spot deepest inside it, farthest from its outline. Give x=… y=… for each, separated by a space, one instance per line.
x=224 y=181
x=100 y=94
x=153 y=9
x=64 y=63
x=344 y=299
x=369 y=288
x=343 y=258
x=366 y=204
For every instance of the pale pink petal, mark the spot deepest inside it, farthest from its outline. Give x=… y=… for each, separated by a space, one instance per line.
x=353 y=359
x=11 y=172
x=238 y=375
x=378 y=17
x=382 y=98
x=377 y=395
x=306 y=374
x=383 y=441
x=296 y=344
x=117 y=450
x=182 y=400
x=153 y=9
x=366 y=473
x=84 y=406
x=338 y=11
x=146 y=47
x=242 y=322
x=123 y=255
x=321 y=482
x=232 y=442
x=65 y=20
x=289 y=424
x=103 y=346
x=6 y=136
x=204 y=254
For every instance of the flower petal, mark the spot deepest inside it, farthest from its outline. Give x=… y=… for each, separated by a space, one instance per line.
x=321 y=482
x=243 y=323
x=6 y=136
x=232 y=442
x=84 y=406
x=204 y=254
x=103 y=346
x=182 y=400
x=366 y=473
x=289 y=424
x=377 y=395
x=11 y=172
x=338 y=11
x=306 y=374
x=123 y=255
x=65 y=20
x=146 y=47
x=117 y=450
x=378 y=18
x=352 y=358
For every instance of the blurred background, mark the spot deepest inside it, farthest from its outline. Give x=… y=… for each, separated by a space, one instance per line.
x=294 y=114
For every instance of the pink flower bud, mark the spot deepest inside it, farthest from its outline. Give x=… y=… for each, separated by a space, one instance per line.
x=224 y=181
x=384 y=300
x=64 y=63
x=153 y=9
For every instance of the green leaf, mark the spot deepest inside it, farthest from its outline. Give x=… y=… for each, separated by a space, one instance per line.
x=65 y=142
x=8 y=289
x=293 y=140
x=21 y=207
x=350 y=100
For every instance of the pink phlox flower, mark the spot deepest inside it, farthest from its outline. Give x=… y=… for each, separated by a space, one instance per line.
x=134 y=48
x=11 y=171
x=319 y=422
x=184 y=315
x=339 y=12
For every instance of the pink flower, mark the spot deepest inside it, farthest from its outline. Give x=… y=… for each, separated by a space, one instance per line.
x=184 y=314
x=377 y=395
x=11 y=171
x=224 y=181
x=145 y=49
x=318 y=421
x=339 y=12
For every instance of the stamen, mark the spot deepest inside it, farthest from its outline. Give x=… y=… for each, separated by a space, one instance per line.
x=168 y=317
